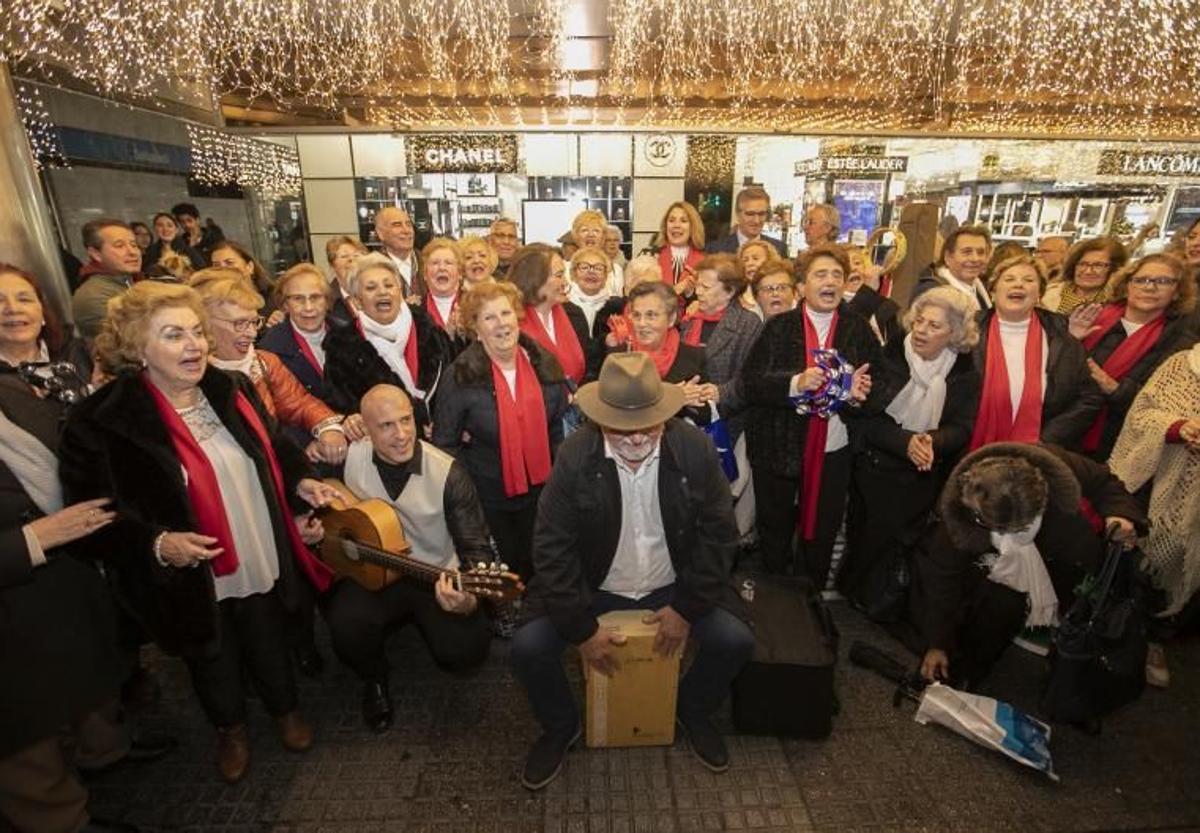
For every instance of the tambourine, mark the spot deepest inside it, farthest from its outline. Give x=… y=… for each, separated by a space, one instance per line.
x=832 y=396
x=899 y=249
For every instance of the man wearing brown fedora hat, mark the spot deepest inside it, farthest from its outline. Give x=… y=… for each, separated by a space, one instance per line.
x=636 y=515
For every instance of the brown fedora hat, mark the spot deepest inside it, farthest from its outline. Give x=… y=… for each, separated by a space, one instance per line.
x=629 y=395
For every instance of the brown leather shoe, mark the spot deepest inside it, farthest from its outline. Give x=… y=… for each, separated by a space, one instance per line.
x=295 y=732
x=233 y=753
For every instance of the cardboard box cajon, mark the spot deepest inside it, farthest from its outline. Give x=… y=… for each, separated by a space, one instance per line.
x=636 y=705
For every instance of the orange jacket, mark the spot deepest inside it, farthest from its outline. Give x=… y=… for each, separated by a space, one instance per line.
x=285 y=398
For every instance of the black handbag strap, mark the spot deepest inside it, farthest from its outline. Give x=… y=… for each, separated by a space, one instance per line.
x=1112 y=560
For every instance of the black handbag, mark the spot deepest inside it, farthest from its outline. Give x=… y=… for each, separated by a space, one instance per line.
x=1098 y=659
x=881 y=592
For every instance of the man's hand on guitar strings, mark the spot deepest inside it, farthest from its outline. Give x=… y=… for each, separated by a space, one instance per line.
x=452 y=600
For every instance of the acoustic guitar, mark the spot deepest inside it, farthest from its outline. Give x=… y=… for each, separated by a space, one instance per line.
x=364 y=541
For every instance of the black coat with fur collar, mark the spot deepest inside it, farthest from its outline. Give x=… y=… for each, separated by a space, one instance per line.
x=115 y=445
x=467 y=405
x=353 y=366
x=946 y=575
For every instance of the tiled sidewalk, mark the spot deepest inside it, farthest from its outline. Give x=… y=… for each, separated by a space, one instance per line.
x=451 y=764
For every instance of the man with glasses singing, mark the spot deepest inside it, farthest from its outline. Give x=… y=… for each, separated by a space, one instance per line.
x=503 y=237
x=753 y=208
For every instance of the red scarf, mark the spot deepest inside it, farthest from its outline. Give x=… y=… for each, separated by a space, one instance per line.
x=695 y=325
x=204 y=492
x=664 y=356
x=306 y=350
x=432 y=308
x=524 y=438
x=567 y=349
x=666 y=263
x=1128 y=353
x=815 y=437
x=995 y=421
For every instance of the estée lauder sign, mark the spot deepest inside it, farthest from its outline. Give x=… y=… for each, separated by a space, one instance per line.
x=455 y=153
x=1149 y=162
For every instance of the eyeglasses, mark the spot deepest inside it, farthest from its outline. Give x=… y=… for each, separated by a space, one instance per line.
x=242 y=325
x=1093 y=267
x=1160 y=282
x=774 y=288
x=594 y=268
x=497 y=235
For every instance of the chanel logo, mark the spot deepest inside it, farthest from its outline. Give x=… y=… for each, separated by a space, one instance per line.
x=660 y=150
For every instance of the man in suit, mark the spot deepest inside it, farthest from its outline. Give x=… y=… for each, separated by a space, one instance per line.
x=963 y=265
x=504 y=239
x=752 y=207
x=395 y=230
x=636 y=515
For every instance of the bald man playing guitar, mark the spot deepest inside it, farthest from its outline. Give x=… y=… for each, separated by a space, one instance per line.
x=442 y=526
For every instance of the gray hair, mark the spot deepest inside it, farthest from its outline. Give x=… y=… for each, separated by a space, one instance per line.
x=831 y=216
x=617 y=229
x=964 y=332
x=644 y=263
x=375 y=260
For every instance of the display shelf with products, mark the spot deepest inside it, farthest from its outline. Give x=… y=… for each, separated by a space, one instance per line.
x=612 y=196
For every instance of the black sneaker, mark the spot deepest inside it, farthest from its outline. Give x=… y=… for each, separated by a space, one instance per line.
x=705 y=742
x=545 y=759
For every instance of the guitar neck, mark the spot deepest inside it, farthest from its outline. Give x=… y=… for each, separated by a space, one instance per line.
x=401 y=563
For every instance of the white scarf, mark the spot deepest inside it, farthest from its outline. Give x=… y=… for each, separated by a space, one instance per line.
x=1019 y=565
x=590 y=304
x=244 y=365
x=974 y=290
x=32 y=464
x=918 y=407
x=389 y=341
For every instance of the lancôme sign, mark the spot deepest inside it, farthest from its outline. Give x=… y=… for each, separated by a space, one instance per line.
x=1148 y=163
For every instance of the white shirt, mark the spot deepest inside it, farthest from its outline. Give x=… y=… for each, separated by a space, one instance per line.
x=316 y=343
x=406 y=269
x=1130 y=327
x=975 y=290
x=547 y=322
x=642 y=563
x=244 y=503
x=1013 y=335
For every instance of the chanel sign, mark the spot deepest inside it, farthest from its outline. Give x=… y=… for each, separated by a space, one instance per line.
x=454 y=153
x=660 y=150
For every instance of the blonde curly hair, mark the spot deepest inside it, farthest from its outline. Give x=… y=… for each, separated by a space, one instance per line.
x=125 y=329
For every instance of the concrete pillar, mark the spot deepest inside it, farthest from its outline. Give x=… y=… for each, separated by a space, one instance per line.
x=27 y=237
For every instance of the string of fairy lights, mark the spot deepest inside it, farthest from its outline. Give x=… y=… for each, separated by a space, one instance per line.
x=221 y=159
x=1114 y=68
x=45 y=142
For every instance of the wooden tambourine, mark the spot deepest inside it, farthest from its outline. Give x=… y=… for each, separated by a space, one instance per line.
x=898 y=252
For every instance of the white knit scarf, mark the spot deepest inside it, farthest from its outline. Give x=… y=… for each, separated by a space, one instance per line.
x=918 y=407
x=1019 y=565
x=244 y=365
x=590 y=304
x=389 y=341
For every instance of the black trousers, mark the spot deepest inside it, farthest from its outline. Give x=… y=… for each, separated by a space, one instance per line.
x=512 y=530
x=888 y=508
x=993 y=616
x=360 y=621
x=253 y=634
x=777 y=510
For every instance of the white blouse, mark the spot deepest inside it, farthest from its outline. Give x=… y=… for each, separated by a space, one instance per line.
x=244 y=503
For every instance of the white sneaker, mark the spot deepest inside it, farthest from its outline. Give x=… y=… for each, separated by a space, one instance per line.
x=1157 y=673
